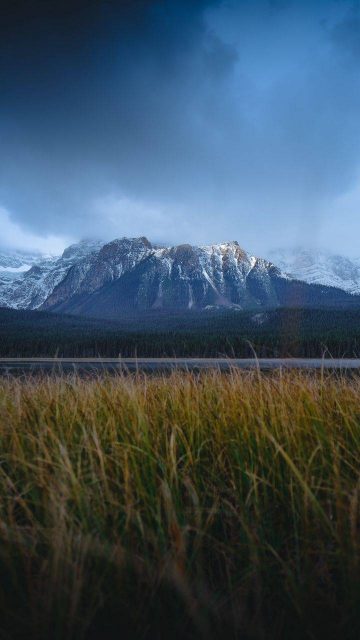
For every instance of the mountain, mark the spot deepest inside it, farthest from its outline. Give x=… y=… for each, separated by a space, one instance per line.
x=29 y=280
x=13 y=261
x=132 y=275
x=319 y=267
x=129 y=275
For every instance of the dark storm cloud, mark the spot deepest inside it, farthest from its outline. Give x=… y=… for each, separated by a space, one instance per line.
x=182 y=120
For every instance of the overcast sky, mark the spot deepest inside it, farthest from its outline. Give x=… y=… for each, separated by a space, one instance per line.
x=182 y=120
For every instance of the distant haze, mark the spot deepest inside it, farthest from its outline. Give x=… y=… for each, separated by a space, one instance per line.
x=182 y=120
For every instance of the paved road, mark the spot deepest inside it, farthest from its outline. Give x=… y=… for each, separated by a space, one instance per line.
x=19 y=365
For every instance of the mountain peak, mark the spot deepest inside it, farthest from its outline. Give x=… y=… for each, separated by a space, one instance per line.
x=82 y=248
x=94 y=277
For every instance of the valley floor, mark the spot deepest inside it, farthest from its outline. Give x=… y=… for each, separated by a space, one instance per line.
x=180 y=506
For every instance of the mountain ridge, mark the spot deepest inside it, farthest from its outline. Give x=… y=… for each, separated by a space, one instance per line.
x=319 y=267
x=106 y=279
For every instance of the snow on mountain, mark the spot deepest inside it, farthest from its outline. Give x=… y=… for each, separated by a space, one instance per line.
x=13 y=259
x=29 y=288
x=319 y=267
x=148 y=276
x=13 y=262
x=106 y=279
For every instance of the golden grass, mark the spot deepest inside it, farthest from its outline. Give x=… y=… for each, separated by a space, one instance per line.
x=187 y=506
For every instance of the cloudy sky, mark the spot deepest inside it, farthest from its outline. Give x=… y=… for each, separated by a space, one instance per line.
x=183 y=120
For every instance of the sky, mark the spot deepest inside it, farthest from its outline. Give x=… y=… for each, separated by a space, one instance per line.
x=182 y=120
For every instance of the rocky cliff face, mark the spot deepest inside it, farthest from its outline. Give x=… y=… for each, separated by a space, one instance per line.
x=133 y=274
x=105 y=280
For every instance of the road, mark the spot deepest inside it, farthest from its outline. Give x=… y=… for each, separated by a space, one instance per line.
x=23 y=365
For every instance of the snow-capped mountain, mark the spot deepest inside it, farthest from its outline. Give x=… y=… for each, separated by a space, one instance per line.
x=132 y=274
x=319 y=267
x=106 y=279
x=27 y=280
x=143 y=276
x=13 y=262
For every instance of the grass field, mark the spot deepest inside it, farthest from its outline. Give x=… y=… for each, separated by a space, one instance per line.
x=212 y=506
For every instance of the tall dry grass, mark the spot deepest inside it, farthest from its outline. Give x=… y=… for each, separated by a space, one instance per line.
x=212 y=506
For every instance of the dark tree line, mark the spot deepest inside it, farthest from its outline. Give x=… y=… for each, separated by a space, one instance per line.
x=273 y=333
